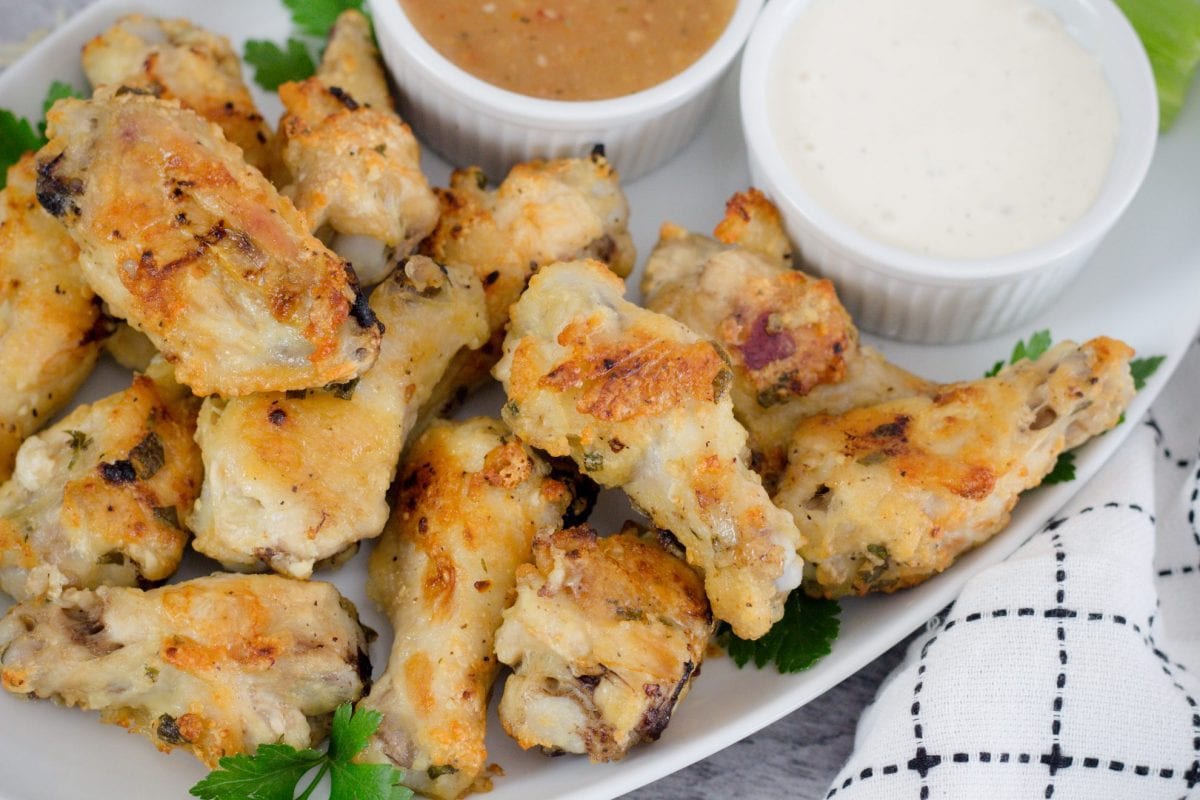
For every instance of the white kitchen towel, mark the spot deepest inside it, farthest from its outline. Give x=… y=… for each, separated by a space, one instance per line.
x=1069 y=670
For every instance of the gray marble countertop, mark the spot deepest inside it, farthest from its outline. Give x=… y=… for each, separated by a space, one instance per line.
x=795 y=757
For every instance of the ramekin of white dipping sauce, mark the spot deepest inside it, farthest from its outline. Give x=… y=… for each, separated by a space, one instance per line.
x=950 y=164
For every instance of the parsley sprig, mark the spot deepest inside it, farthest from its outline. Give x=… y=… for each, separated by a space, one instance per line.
x=1039 y=342
x=803 y=637
x=18 y=135
x=297 y=58
x=275 y=770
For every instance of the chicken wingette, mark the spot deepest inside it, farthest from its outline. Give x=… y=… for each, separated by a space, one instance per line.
x=180 y=61
x=470 y=500
x=97 y=498
x=291 y=479
x=198 y=251
x=354 y=167
x=216 y=665
x=544 y=211
x=794 y=349
x=604 y=639
x=641 y=402
x=891 y=494
x=51 y=326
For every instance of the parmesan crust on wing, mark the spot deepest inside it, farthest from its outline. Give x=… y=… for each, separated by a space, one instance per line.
x=641 y=402
x=793 y=348
x=891 y=494
x=97 y=498
x=470 y=500
x=604 y=640
x=216 y=666
x=178 y=60
x=198 y=251
x=292 y=479
x=51 y=325
x=354 y=168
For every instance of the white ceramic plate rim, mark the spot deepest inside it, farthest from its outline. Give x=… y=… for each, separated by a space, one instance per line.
x=40 y=743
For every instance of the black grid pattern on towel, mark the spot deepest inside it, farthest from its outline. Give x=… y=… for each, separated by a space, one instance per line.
x=1054 y=760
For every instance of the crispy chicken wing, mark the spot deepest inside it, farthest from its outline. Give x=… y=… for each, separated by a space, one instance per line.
x=544 y=211
x=604 y=639
x=794 y=348
x=198 y=251
x=471 y=499
x=891 y=494
x=640 y=402
x=96 y=499
x=291 y=479
x=180 y=61
x=51 y=327
x=216 y=665
x=355 y=169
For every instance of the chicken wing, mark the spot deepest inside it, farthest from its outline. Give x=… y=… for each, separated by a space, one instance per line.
x=96 y=498
x=354 y=167
x=291 y=479
x=179 y=61
x=891 y=494
x=544 y=211
x=470 y=501
x=604 y=639
x=198 y=251
x=794 y=348
x=640 y=402
x=51 y=327
x=216 y=665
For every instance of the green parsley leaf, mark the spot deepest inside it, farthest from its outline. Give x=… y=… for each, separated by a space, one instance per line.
x=57 y=91
x=274 y=66
x=366 y=782
x=1038 y=344
x=270 y=774
x=351 y=730
x=18 y=135
x=803 y=637
x=1063 y=471
x=274 y=770
x=1143 y=368
x=17 y=138
x=316 y=17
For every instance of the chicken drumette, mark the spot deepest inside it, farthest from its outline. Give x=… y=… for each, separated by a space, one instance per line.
x=641 y=402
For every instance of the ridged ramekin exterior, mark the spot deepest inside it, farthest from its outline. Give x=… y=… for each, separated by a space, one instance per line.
x=468 y=136
x=916 y=310
x=929 y=300
x=472 y=125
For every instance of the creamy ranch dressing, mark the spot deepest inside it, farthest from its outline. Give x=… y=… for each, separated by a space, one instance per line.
x=956 y=128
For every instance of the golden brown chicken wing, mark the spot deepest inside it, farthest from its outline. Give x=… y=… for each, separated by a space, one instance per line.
x=198 y=251
x=471 y=498
x=604 y=639
x=292 y=479
x=354 y=167
x=891 y=494
x=96 y=499
x=640 y=402
x=794 y=349
x=179 y=61
x=216 y=665
x=51 y=328
x=544 y=211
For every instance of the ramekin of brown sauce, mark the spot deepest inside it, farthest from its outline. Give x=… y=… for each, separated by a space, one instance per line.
x=494 y=82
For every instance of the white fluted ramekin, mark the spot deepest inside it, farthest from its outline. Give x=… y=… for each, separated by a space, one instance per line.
x=905 y=295
x=470 y=121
